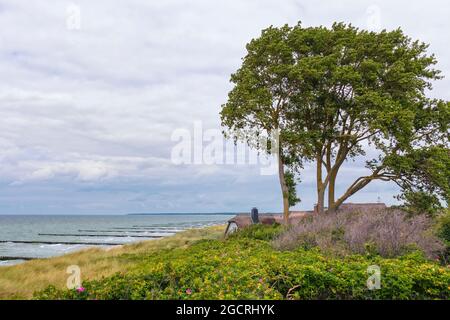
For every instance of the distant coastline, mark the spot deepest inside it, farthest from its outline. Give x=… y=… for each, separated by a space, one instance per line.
x=182 y=214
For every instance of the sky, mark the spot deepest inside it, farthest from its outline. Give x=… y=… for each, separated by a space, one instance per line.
x=93 y=93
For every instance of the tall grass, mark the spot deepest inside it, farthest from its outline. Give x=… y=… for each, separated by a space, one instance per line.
x=389 y=233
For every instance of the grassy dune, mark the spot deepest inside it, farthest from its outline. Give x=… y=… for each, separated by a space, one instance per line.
x=20 y=281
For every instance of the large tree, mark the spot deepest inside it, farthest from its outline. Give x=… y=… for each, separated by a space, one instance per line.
x=257 y=104
x=366 y=90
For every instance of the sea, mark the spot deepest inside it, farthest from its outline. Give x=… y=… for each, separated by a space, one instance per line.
x=24 y=237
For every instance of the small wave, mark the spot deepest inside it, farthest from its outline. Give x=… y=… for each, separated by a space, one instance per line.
x=10 y=262
x=53 y=245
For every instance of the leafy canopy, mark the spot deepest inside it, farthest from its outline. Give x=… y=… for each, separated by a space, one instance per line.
x=336 y=94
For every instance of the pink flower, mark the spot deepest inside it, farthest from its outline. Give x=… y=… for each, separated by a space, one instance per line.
x=261 y=280
x=188 y=291
x=81 y=289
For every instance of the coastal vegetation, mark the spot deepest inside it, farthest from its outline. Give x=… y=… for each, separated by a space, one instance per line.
x=262 y=262
x=22 y=280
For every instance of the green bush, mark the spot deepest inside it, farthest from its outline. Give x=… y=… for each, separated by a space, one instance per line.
x=259 y=231
x=443 y=232
x=242 y=267
x=444 y=226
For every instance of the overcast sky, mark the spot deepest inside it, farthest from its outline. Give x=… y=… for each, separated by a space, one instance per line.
x=87 y=109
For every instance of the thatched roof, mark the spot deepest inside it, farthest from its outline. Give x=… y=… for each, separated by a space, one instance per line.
x=362 y=206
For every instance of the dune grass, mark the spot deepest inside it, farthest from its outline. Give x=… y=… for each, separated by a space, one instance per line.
x=21 y=281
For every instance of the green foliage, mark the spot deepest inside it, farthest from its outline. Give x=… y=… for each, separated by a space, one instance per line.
x=242 y=267
x=259 y=231
x=291 y=184
x=420 y=202
x=443 y=231
x=257 y=105
x=443 y=226
x=425 y=179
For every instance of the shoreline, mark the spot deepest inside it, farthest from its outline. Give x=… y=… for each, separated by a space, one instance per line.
x=60 y=235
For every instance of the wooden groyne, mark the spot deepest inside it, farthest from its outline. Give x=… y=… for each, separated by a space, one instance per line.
x=149 y=228
x=95 y=235
x=130 y=231
x=5 y=258
x=64 y=242
x=179 y=227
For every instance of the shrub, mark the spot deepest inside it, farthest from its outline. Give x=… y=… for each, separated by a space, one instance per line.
x=443 y=226
x=388 y=233
x=443 y=232
x=259 y=231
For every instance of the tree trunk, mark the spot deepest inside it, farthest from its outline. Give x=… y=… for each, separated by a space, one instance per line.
x=331 y=191
x=334 y=204
x=284 y=189
x=320 y=199
x=320 y=186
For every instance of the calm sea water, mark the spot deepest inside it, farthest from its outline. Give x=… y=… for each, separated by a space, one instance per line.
x=80 y=230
